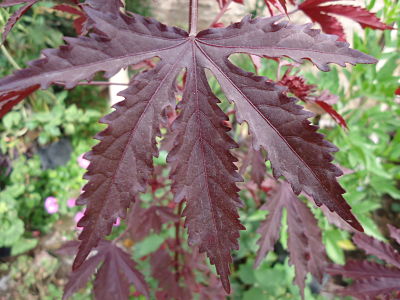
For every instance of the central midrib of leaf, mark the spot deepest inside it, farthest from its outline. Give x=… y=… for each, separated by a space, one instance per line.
x=198 y=112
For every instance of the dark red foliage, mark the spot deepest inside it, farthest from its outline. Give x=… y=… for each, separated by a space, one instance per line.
x=9 y=99
x=278 y=4
x=307 y=253
x=78 y=22
x=203 y=172
x=372 y=279
x=321 y=14
x=17 y=15
x=162 y=269
x=176 y=270
x=223 y=3
x=142 y=222
x=306 y=92
x=113 y=278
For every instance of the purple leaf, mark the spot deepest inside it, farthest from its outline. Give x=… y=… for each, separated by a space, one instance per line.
x=144 y=221
x=371 y=279
x=258 y=168
x=161 y=264
x=114 y=277
x=307 y=253
x=203 y=169
x=379 y=249
x=116 y=274
x=363 y=269
x=80 y=277
x=204 y=174
x=394 y=233
x=15 y=17
x=269 y=229
x=372 y=287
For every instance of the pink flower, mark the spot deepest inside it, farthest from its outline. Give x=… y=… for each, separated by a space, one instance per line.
x=117 y=222
x=71 y=202
x=83 y=163
x=51 y=205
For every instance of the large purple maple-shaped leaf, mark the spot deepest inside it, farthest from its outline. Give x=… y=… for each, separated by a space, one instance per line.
x=121 y=163
x=307 y=253
x=113 y=278
x=372 y=279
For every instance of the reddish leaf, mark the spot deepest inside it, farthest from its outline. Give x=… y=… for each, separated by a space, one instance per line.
x=333 y=113
x=394 y=233
x=11 y=98
x=78 y=22
x=297 y=85
x=379 y=249
x=16 y=16
x=270 y=228
x=373 y=287
x=69 y=9
x=80 y=277
x=114 y=277
x=331 y=25
x=144 y=221
x=69 y=248
x=363 y=269
x=372 y=279
x=114 y=179
x=307 y=253
x=258 y=168
x=161 y=264
x=121 y=163
x=397 y=92
x=223 y=3
x=357 y=14
x=279 y=4
x=6 y=3
x=204 y=174
x=306 y=92
x=212 y=290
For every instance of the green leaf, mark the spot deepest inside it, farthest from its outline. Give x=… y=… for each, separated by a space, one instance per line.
x=23 y=245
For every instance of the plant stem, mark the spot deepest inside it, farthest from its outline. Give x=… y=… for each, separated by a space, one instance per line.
x=221 y=13
x=9 y=57
x=193 y=13
x=177 y=241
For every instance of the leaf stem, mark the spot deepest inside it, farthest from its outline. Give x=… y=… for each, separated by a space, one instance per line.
x=177 y=241
x=221 y=13
x=193 y=13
